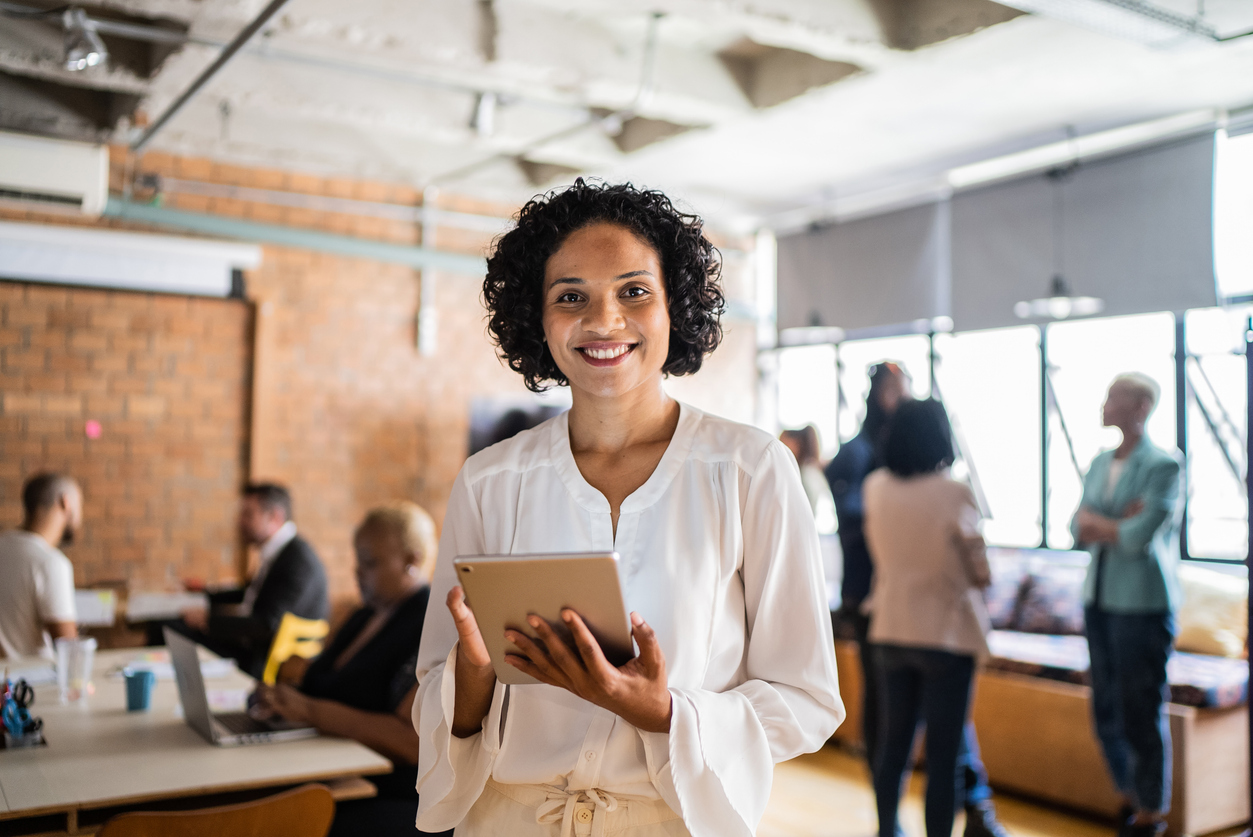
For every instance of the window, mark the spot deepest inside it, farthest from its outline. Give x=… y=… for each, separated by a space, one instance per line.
x=807 y=392
x=1084 y=356
x=1217 y=415
x=990 y=384
x=856 y=357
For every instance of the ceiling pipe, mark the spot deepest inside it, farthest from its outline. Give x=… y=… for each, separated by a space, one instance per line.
x=209 y=72
x=424 y=258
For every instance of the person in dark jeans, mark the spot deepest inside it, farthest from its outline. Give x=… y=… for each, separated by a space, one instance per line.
x=930 y=623
x=1128 y=520
x=889 y=386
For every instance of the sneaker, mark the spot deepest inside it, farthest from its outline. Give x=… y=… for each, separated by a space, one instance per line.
x=981 y=821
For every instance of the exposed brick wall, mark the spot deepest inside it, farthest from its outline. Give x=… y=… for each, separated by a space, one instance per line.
x=166 y=378
x=343 y=407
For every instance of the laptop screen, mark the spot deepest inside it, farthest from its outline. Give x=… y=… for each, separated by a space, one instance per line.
x=191 y=691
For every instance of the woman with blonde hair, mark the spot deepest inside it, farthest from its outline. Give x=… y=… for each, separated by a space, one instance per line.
x=362 y=685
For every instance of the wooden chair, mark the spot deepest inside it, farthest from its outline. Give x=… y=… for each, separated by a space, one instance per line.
x=295 y=637
x=300 y=812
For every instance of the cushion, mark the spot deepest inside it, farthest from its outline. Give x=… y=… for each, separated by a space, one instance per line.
x=1009 y=571
x=1052 y=600
x=1195 y=680
x=1214 y=616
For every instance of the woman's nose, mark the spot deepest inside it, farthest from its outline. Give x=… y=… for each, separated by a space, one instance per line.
x=604 y=316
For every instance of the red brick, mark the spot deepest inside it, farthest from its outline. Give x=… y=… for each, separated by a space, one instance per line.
x=89 y=341
x=66 y=405
x=145 y=406
x=26 y=360
x=15 y=403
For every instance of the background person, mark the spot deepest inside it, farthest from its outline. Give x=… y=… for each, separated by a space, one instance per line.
x=36 y=579
x=241 y=622
x=1128 y=521
x=929 y=621
x=856 y=459
x=362 y=685
x=609 y=289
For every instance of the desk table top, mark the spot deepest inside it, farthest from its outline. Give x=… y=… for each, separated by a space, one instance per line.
x=98 y=754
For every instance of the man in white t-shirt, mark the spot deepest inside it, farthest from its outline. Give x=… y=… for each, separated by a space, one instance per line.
x=36 y=579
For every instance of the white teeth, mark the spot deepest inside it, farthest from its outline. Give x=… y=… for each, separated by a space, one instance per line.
x=607 y=354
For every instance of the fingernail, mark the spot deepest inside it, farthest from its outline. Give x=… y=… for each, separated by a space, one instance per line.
x=533 y=621
x=567 y=615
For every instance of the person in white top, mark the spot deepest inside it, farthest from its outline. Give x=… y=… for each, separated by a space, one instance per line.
x=929 y=621
x=36 y=579
x=609 y=289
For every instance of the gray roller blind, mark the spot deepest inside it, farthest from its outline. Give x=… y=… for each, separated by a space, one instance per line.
x=1136 y=231
x=877 y=271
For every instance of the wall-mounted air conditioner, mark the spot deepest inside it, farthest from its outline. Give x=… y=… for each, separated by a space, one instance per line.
x=53 y=175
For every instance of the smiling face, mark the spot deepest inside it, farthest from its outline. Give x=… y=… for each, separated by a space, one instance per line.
x=605 y=311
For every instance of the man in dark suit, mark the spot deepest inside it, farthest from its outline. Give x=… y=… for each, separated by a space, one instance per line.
x=241 y=622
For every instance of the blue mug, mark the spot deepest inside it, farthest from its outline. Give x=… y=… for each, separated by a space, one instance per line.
x=139 y=685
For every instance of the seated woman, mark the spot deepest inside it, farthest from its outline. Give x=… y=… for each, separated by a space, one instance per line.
x=929 y=621
x=362 y=685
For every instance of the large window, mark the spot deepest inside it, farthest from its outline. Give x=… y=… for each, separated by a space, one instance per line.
x=807 y=391
x=990 y=383
x=1217 y=415
x=1084 y=357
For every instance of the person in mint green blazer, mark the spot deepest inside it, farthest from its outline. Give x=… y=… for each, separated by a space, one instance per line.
x=1128 y=520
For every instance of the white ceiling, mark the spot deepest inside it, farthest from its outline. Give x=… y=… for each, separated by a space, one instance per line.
x=385 y=89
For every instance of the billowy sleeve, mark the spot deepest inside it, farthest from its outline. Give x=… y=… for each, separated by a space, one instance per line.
x=722 y=746
x=451 y=771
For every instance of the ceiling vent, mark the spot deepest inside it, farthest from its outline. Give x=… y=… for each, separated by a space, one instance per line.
x=50 y=175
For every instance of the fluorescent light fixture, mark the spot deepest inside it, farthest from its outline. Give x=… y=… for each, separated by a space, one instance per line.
x=1060 y=305
x=1044 y=157
x=83 y=47
x=1129 y=20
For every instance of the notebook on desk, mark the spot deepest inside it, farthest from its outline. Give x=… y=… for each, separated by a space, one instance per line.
x=225 y=729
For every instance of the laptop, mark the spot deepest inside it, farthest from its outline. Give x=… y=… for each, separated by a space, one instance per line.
x=225 y=729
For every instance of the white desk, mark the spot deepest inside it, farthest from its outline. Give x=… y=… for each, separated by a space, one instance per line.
x=99 y=756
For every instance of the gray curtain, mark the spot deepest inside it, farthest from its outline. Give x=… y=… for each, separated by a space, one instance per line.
x=882 y=270
x=1136 y=231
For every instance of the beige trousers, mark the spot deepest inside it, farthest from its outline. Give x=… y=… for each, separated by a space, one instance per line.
x=546 y=811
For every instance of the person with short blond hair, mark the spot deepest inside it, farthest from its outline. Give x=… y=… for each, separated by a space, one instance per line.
x=363 y=684
x=1128 y=521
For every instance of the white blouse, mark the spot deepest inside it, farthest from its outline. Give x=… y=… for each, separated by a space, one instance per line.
x=719 y=554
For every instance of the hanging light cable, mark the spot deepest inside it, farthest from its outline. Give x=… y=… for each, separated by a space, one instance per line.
x=1060 y=304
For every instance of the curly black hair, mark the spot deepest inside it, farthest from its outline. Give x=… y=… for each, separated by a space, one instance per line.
x=513 y=290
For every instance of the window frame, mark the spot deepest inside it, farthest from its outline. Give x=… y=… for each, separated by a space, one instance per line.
x=1048 y=406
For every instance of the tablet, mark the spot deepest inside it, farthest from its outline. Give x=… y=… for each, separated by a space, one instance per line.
x=503 y=590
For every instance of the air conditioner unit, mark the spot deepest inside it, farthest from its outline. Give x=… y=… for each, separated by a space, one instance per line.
x=53 y=175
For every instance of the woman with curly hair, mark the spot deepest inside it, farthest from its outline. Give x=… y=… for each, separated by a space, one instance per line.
x=608 y=289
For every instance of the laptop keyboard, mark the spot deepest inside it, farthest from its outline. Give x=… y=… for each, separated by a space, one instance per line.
x=240 y=723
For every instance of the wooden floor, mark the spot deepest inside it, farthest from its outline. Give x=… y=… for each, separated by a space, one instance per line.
x=827 y=794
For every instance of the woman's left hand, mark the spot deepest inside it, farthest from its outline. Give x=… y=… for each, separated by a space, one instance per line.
x=287 y=702
x=636 y=692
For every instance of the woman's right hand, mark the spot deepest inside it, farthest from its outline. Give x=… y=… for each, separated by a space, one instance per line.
x=475 y=677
